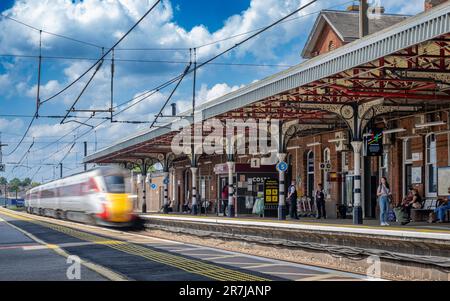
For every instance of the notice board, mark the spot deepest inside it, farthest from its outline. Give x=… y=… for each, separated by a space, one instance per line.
x=443 y=181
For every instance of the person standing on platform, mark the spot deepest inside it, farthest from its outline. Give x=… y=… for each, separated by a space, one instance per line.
x=320 y=202
x=384 y=194
x=292 y=200
x=224 y=195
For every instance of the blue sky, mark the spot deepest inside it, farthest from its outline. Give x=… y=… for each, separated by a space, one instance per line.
x=212 y=14
x=176 y=24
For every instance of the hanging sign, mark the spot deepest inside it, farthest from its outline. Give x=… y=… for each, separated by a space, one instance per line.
x=282 y=166
x=374 y=143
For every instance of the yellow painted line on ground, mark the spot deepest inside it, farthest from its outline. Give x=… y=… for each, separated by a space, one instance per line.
x=263 y=265
x=51 y=246
x=318 y=277
x=108 y=274
x=189 y=265
x=311 y=223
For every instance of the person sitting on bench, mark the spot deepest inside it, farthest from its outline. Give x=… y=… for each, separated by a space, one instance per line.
x=403 y=208
x=442 y=209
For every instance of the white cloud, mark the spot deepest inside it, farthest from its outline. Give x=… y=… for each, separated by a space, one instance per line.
x=216 y=91
x=103 y=22
x=10 y=124
x=46 y=90
x=4 y=81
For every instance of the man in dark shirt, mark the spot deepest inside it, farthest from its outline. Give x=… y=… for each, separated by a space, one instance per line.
x=320 y=202
x=292 y=200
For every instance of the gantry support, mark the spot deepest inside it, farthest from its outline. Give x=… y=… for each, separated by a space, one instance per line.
x=356 y=116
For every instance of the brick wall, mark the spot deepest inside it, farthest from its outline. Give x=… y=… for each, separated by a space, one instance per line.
x=429 y=4
x=327 y=37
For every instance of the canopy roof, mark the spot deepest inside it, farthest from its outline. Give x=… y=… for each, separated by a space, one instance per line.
x=405 y=64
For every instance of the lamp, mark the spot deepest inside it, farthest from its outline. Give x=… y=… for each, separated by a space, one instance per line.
x=429 y=124
x=337 y=140
x=393 y=131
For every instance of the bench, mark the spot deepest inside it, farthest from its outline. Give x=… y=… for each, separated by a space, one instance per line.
x=420 y=215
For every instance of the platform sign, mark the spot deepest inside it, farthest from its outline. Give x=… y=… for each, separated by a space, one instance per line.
x=255 y=162
x=282 y=166
x=271 y=191
x=153 y=186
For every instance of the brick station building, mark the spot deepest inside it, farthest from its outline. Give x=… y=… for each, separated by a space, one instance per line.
x=394 y=82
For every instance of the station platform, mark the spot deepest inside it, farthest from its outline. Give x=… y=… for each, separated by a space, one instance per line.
x=421 y=230
x=414 y=251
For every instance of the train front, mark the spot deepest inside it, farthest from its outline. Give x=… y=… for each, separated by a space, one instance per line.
x=114 y=205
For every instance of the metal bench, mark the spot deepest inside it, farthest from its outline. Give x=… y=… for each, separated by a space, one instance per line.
x=422 y=214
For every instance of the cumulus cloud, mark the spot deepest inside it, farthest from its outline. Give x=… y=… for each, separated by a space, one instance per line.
x=216 y=91
x=9 y=124
x=104 y=22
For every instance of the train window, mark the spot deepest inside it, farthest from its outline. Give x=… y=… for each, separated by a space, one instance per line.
x=115 y=184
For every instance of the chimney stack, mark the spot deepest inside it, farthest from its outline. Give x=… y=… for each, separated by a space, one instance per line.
x=429 y=4
x=174 y=109
x=363 y=19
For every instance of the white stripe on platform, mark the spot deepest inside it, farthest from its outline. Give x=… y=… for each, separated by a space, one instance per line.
x=407 y=233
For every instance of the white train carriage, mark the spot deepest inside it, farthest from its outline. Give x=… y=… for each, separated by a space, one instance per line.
x=99 y=196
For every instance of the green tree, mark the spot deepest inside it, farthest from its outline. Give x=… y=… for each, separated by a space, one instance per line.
x=14 y=184
x=3 y=181
x=35 y=184
x=26 y=182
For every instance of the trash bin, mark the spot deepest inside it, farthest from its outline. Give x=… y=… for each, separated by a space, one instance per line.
x=342 y=209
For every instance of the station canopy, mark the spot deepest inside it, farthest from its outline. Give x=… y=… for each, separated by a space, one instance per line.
x=403 y=65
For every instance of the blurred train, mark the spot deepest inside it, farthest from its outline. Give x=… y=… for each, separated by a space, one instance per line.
x=99 y=196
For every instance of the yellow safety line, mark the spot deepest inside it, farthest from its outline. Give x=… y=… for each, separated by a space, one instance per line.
x=188 y=265
x=309 y=223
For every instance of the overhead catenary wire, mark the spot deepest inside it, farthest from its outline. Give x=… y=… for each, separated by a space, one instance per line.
x=89 y=69
x=208 y=61
x=325 y=84
x=104 y=54
x=168 y=83
x=143 y=61
x=160 y=48
x=171 y=94
x=50 y=33
x=82 y=91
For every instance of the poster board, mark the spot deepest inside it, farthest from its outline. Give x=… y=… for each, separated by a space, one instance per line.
x=443 y=181
x=416 y=175
x=271 y=192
